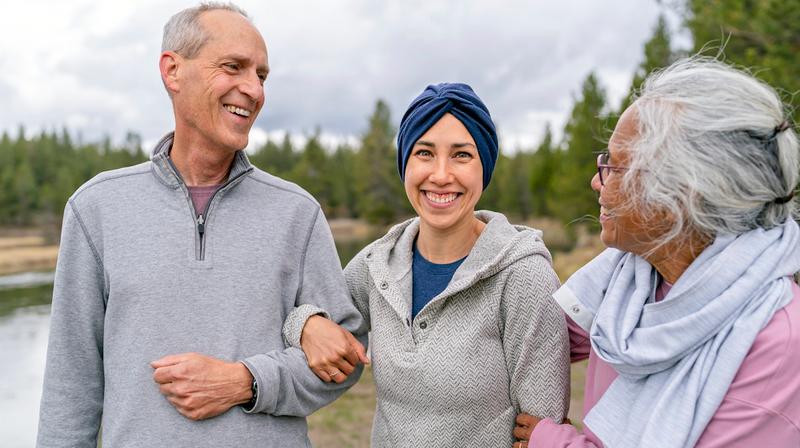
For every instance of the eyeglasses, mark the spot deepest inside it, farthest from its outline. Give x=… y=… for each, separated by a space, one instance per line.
x=603 y=168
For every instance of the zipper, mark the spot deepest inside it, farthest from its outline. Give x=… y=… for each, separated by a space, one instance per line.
x=201 y=219
x=201 y=229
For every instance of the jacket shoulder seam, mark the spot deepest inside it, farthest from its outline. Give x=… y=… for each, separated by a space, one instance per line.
x=305 y=196
x=305 y=252
x=765 y=410
x=95 y=182
x=95 y=252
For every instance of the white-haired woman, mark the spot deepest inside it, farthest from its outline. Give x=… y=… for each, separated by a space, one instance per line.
x=691 y=320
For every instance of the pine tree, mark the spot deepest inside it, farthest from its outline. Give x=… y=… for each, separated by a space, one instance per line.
x=657 y=54
x=312 y=171
x=497 y=195
x=343 y=199
x=381 y=195
x=570 y=196
x=23 y=188
x=543 y=163
x=762 y=35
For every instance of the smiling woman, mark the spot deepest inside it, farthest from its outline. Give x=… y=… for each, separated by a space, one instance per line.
x=464 y=332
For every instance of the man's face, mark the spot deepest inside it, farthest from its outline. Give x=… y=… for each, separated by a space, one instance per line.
x=221 y=90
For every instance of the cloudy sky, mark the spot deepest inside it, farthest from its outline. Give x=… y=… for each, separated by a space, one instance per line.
x=92 y=66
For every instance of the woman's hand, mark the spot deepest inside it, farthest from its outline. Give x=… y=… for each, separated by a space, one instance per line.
x=332 y=352
x=524 y=428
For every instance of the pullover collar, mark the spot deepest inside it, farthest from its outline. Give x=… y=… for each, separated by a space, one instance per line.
x=499 y=245
x=168 y=175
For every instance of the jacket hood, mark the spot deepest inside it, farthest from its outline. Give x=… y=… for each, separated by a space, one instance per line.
x=500 y=245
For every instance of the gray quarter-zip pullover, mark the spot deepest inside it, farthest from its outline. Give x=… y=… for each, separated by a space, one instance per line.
x=140 y=277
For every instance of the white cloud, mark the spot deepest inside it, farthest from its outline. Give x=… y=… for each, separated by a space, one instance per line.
x=93 y=65
x=256 y=139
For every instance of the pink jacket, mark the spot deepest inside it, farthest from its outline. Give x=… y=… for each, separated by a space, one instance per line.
x=761 y=408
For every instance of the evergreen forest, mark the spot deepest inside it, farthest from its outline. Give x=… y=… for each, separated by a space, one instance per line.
x=38 y=173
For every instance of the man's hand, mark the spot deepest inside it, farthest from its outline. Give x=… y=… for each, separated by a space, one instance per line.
x=202 y=387
x=332 y=352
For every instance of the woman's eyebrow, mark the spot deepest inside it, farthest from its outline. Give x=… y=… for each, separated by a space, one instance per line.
x=461 y=145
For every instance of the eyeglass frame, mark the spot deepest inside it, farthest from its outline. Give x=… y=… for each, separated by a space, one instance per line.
x=606 y=167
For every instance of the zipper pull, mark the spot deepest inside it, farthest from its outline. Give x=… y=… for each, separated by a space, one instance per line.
x=200 y=226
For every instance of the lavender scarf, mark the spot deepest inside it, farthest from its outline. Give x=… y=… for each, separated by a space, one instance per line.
x=677 y=358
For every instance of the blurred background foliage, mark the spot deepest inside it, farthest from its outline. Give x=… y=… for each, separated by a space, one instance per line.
x=550 y=179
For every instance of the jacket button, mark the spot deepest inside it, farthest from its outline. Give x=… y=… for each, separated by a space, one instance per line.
x=384 y=285
x=423 y=325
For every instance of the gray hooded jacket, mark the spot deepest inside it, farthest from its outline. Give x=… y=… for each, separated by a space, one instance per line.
x=492 y=344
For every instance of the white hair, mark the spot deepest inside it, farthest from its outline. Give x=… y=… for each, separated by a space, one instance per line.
x=184 y=34
x=711 y=152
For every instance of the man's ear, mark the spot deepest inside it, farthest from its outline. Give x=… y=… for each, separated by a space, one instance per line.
x=168 y=64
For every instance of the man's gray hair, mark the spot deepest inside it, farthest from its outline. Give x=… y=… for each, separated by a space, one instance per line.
x=183 y=33
x=711 y=151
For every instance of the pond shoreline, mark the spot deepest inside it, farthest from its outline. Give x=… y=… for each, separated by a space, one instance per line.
x=19 y=254
x=25 y=250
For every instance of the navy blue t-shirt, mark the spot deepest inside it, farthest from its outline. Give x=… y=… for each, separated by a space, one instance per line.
x=429 y=279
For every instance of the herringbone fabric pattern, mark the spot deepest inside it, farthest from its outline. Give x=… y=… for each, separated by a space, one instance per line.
x=493 y=343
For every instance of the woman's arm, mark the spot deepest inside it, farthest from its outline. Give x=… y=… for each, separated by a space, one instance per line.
x=332 y=351
x=535 y=340
x=579 y=343
x=547 y=433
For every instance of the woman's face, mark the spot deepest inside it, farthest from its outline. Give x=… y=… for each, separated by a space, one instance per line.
x=623 y=225
x=444 y=175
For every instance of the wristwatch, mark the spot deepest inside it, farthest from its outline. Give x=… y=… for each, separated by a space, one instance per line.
x=252 y=402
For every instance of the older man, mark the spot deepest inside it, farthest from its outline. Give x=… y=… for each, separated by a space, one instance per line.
x=175 y=276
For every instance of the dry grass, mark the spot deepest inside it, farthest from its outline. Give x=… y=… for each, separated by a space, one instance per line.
x=26 y=253
x=351 y=230
x=9 y=242
x=346 y=423
x=566 y=263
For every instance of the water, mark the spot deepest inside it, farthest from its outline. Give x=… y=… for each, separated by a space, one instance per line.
x=24 y=327
x=26 y=280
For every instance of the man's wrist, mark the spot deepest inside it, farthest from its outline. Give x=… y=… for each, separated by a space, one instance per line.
x=247 y=386
x=250 y=404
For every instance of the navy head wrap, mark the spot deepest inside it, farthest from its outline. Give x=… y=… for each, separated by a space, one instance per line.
x=464 y=104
